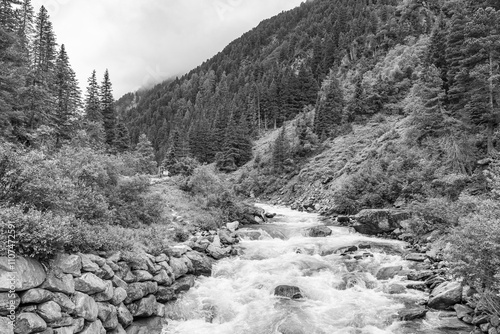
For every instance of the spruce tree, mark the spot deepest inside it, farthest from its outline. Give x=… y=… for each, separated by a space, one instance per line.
x=281 y=150
x=329 y=110
x=108 y=109
x=147 y=163
x=92 y=100
x=122 y=141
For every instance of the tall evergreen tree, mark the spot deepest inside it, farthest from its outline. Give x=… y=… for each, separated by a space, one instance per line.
x=92 y=100
x=122 y=141
x=329 y=110
x=281 y=150
x=147 y=163
x=108 y=109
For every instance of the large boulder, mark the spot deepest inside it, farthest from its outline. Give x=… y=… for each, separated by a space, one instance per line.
x=29 y=323
x=445 y=295
x=319 y=231
x=23 y=274
x=8 y=300
x=375 y=221
x=202 y=264
x=144 y=307
x=90 y=284
x=57 y=281
x=388 y=272
x=36 y=296
x=412 y=314
x=85 y=306
x=49 y=311
x=288 y=291
x=152 y=325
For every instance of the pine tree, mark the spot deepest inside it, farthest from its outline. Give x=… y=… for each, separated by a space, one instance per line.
x=122 y=141
x=281 y=150
x=92 y=100
x=108 y=109
x=147 y=163
x=329 y=110
x=237 y=149
x=7 y=15
x=67 y=93
x=25 y=28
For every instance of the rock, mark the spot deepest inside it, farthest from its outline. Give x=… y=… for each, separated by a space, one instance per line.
x=343 y=220
x=202 y=264
x=492 y=330
x=124 y=316
x=161 y=258
x=23 y=273
x=218 y=252
x=233 y=226
x=57 y=281
x=495 y=320
x=419 y=275
x=417 y=257
x=119 y=295
x=118 y=282
x=412 y=314
x=63 y=330
x=448 y=322
x=375 y=221
x=108 y=315
x=388 y=272
x=90 y=284
x=319 y=231
x=165 y=294
x=178 y=266
x=480 y=319
x=152 y=325
x=396 y=289
x=421 y=286
x=142 y=275
x=64 y=302
x=65 y=321
x=68 y=264
x=288 y=291
x=183 y=284
x=87 y=264
x=106 y=272
x=8 y=302
x=136 y=291
x=160 y=310
x=29 y=323
x=144 y=307
x=179 y=250
x=115 y=257
x=484 y=327
x=445 y=295
x=434 y=281
x=97 y=259
x=93 y=328
x=227 y=237
x=49 y=311
x=36 y=296
x=163 y=277
x=107 y=294
x=85 y=306
x=462 y=311
x=6 y=326
x=118 y=330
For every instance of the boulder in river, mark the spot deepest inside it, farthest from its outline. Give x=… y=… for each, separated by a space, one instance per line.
x=288 y=291
x=375 y=221
x=319 y=231
x=412 y=314
x=445 y=295
x=388 y=272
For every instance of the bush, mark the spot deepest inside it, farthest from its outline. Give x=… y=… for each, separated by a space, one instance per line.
x=183 y=166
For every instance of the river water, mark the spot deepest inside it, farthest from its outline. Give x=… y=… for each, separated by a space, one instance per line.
x=341 y=293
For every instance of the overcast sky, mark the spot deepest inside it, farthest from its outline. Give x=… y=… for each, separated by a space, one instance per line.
x=142 y=42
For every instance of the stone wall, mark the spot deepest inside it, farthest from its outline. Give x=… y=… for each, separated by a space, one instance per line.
x=112 y=293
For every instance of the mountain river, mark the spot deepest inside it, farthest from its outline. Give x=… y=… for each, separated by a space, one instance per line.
x=341 y=294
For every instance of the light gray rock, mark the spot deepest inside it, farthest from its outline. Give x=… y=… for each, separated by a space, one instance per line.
x=178 y=266
x=163 y=278
x=6 y=326
x=68 y=264
x=95 y=327
x=108 y=315
x=49 y=311
x=87 y=264
x=29 y=323
x=125 y=318
x=412 y=314
x=142 y=275
x=106 y=295
x=445 y=295
x=64 y=302
x=57 y=281
x=165 y=294
x=24 y=274
x=36 y=296
x=118 y=330
x=85 y=306
x=90 y=284
x=144 y=307
x=463 y=311
x=319 y=231
x=119 y=295
x=202 y=264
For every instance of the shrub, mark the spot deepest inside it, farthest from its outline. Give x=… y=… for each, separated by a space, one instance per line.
x=439 y=214
x=183 y=166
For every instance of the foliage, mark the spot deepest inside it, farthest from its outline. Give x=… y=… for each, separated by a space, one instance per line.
x=145 y=151
x=184 y=166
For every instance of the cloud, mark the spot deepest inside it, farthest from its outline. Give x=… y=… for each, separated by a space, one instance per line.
x=142 y=42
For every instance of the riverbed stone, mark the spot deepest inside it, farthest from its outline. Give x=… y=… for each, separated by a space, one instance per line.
x=183 y=284
x=202 y=264
x=388 y=272
x=417 y=257
x=445 y=295
x=319 y=231
x=124 y=316
x=288 y=291
x=136 y=291
x=49 y=311
x=29 y=323
x=375 y=221
x=6 y=302
x=165 y=294
x=149 y=325
x=227 y=237
x=90 y=284
x=57 y=281
x=412 y=314
x=396 y=289
x=144 y=307
x=85 y=306
x=25 y=274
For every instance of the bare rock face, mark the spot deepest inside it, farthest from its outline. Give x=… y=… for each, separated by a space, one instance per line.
x=25 y=274
x=375 y=221
x=29 y=323
x=288 y=291
x=445 y=295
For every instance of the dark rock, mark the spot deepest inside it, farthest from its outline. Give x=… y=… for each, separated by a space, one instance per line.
x=480 y=319
x=152 y=325
x=434 y=281
x=462 y=311
x=419 y=275
x=288 y=291
x=417 y=257
x=165 y=294
x=343 y=220
x=202 y=264
x=375 y=221
x=412 y=314
x=396 y=289
x=144 y=307
x=445 y=295
x=319 y=231
x=26 y=274
x=417 y=286
x=388 y=272
x=183 y=284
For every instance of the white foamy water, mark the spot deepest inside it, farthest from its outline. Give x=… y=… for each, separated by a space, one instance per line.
x=341 y=295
